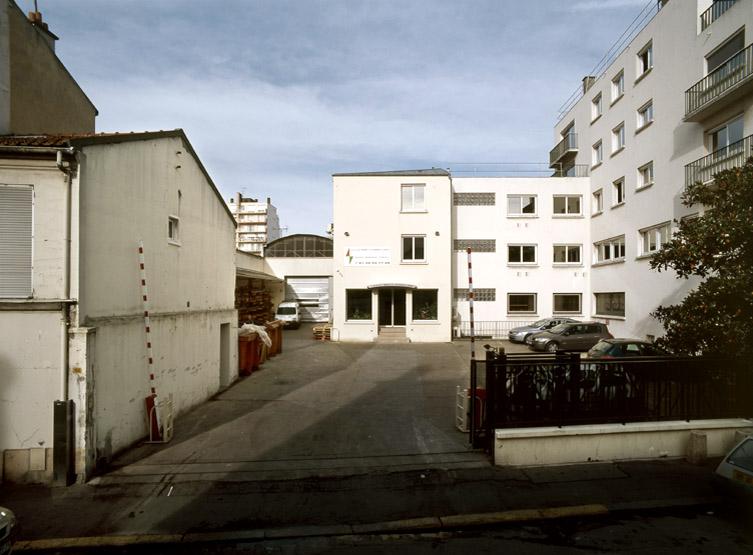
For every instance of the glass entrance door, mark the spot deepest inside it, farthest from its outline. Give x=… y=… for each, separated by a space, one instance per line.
x=392 y=307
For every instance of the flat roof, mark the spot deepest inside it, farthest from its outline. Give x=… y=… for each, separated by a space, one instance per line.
x=397 y=173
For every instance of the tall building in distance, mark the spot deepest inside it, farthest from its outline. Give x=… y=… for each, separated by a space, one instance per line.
x=258 y=223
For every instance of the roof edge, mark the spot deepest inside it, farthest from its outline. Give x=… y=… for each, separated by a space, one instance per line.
x=433 y=172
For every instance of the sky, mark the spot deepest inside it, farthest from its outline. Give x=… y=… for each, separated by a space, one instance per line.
x=277 y=95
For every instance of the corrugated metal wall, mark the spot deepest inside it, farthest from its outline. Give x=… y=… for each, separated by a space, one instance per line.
x=312 y=293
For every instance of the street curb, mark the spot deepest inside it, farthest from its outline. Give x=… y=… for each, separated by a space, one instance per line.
x=449 y=522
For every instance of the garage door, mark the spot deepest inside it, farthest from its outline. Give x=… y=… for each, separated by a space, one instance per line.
x=312 y=293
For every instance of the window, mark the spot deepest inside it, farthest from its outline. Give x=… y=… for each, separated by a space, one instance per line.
x=521 y=254
x=610 y=304
x=567 y=254
x=16 y=232
x=618 y=138
x=596 y=107
x=618 y=86
x=425 y=304
x=611 y=250
x=173 y=228
x=645 y=59
x=724 y=138
x=646 y=175
x=478 y=294
x=597 y=202
x=567 y=303
x=357 y=304
x=645 y=114
x=653 y=238
x=568 y=205
x=413 y=198
x=597 y=154
x=618 y=192
x=474 y=199
x=476 y=245
x=521 y=303
x=521 y=205
x=723 y=54
x=413 y=248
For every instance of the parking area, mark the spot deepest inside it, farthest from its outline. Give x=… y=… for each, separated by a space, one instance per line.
x=319 y=408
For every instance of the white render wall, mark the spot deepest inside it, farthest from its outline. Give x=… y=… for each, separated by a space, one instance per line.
x=492 y=270
x=368 y=209
x=679 y=48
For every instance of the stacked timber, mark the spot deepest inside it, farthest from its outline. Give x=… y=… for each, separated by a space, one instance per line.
x=253 y=305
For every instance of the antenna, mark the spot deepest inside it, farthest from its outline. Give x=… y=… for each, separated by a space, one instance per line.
x=36 y=9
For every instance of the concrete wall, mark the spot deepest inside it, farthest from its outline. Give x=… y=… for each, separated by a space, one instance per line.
x=43 y=97
x=679 y=50
x=369 y=210
x=493 y=270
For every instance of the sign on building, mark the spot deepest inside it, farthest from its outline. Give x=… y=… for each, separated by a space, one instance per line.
x=367 y=256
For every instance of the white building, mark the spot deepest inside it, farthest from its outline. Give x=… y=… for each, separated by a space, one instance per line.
x=258 y=223
x=673 y=107
x=72 y=213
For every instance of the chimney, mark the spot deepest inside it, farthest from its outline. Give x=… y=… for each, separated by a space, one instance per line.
x=269 y=200
x=35 y=18
x=588 y=82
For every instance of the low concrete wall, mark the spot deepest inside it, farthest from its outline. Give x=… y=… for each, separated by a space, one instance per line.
x=608 y=442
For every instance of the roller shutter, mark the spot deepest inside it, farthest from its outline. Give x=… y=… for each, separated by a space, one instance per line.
x=15 y=240
x=312 y=294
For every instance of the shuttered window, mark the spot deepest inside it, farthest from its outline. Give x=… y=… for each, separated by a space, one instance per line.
x=15 y=240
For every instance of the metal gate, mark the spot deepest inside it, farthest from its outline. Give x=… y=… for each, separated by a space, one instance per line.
x=312 y=294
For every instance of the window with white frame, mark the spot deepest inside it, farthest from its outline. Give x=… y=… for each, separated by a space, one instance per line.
x=424 y=304
x=653 y=238
x=645 y=59
x=16 y=233
x=618 y=86
x=413 y=197
x=646 y=175
x=610 y=304
x=597 y=202
x=645 y=114
x=596 y=107
x=597 y=154
x=521 y=205
x=358 y=304
x=725 y=140
x=567 y=303
x=521 y=254
x=618 y=191
x=567 y=254
x=618 y=137
x=173 y=229
x=521 y=303
x=413 y=248
x=567 y=205
x=610 y=250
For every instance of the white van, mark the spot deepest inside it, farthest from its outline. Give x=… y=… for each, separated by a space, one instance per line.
x=289 y=313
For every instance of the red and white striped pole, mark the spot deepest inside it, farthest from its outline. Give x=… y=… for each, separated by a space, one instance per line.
x=152 y=411
x=470 y=305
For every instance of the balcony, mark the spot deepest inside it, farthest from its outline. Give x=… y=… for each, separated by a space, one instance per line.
x=565 y=150
x=726 y=158
x=714 y=12
x=720 y=88
x=574 y=170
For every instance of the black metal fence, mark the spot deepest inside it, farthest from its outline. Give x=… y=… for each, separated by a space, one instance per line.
x=523 y=390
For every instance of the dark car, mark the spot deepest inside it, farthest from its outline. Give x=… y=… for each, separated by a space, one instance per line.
x=572 y=336
x=618 y=348
x=519 y=334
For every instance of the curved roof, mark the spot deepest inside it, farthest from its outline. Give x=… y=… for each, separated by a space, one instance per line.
x=299 y=245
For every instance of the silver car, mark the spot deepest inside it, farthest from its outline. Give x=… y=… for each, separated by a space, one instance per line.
x=521 y=333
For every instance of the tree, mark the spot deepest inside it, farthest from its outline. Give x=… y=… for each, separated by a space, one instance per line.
x=717 y=246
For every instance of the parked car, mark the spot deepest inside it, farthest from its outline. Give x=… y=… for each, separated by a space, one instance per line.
x=571 y=336
x=617 y=348
x=519 y=334
x=289 y=313
x=734 y=474
x=7 y=524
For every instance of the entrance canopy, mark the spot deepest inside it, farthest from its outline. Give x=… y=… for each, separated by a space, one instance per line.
x=392 y=285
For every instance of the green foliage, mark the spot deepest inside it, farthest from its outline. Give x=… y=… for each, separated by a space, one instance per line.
x=717 y=316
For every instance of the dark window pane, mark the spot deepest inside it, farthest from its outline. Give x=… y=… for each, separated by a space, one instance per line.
x=573 y=254
x=358 y=304
x=513 y=254
x=425 y=304
x=529 y=205
x=610 y=304
x=566 y=303
x=529 y=253
x=521 y=303
x=407 y=248
x=418 y=243
x=560 y=205
x=560 y=252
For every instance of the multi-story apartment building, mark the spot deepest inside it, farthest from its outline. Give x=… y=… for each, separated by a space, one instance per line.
x=674 y=107
x=258 y=223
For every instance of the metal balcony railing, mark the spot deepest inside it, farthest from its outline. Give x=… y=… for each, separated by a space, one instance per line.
x=574 y=170
x=568 y=144
x=715 y=11
x=734 y=71
x=726 y=158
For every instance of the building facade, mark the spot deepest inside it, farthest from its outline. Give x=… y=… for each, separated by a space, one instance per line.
x=258 y=223
x=672 y=108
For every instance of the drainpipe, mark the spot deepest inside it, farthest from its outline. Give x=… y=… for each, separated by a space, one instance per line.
x=66 y=272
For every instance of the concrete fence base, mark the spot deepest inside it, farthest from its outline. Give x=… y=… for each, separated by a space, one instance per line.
x=695 y=440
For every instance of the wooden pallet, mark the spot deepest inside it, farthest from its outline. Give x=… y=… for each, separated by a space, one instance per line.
x=322 y=333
